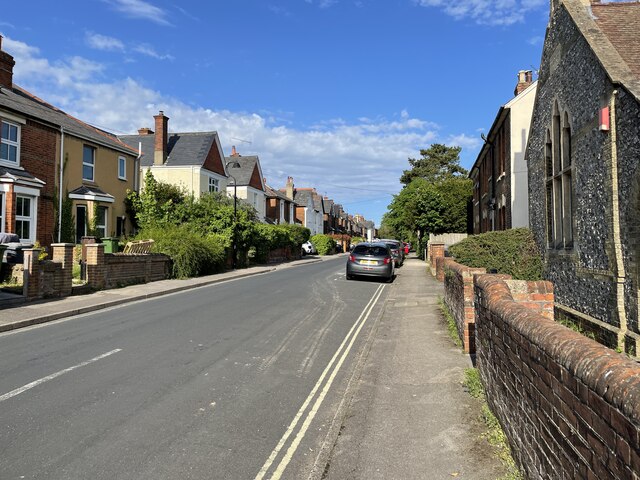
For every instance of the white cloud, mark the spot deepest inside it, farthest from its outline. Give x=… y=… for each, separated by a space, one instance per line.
x=103 y=42
x=487 y=12
x=140 y=9
x=150 y=52
x=366 y=153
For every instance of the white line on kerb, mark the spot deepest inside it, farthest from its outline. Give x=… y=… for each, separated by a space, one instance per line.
x=28 y=386
x=357 y=326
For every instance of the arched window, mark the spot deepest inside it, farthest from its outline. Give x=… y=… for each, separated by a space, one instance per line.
x=559 y=188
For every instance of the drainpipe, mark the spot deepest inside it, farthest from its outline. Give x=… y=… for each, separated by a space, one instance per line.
x=617 y=243
x=60 y=188
x=136 y=169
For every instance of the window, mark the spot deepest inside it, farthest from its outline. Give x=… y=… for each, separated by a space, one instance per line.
x=214 y=184
x=122 y=168
x=281 y=219
x=24 y=217
x=10 y=142
x=88 y=162
x=101 y=222
x=559 y=186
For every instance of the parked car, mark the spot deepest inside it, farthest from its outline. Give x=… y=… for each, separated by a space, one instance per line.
x=309 y=248
x=396 y=250
x=371 y=260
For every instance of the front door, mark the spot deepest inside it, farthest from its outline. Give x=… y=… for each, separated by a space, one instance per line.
x=81 y=222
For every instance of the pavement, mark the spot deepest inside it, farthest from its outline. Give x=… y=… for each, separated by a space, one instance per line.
x=407 y=415
x=16 y=313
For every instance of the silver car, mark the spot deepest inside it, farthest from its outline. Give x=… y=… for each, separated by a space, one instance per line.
x=371 y=260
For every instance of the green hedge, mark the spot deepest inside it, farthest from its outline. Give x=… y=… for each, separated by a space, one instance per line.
x=271 y=237
x=512 y=252
x=324 y=244
x=192 y=254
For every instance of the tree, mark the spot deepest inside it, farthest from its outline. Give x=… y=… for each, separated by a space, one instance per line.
x=438 y=162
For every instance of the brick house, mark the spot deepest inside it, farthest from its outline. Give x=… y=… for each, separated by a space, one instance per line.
x=308 y=210
x=583 y=158
x=191 y=160
x=499 y=174
x=279 y=208
x=47 y=155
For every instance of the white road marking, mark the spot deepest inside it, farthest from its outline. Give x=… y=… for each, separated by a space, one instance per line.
x=29 y=386
x=353 y=333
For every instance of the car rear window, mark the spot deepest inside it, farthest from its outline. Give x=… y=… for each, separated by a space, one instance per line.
x=367 y=250
x=393 y=245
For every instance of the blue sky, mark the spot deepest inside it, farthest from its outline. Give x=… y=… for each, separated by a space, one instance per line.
x=335 y=93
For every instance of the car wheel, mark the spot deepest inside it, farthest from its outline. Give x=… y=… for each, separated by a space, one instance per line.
x=349 y=277
x=389 y=279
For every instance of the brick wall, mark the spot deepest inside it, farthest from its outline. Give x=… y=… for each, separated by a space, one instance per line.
x=569 y=406
x=458 y=296
x=124 y=269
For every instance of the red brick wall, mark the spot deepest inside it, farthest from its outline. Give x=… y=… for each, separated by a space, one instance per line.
x=38 y=149
x=458 y=296
x=125 y=269
x=569 y=406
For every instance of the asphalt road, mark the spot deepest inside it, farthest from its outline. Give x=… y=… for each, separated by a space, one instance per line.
x=241 y=379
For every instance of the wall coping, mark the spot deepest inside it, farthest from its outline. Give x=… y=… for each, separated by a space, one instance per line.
x=611 y=375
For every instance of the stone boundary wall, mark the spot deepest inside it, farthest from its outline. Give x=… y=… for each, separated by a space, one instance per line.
x=128 y=269
x=569 y=406
x=458 y=296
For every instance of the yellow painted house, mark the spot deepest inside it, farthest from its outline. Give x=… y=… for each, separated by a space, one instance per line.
x=193 y=161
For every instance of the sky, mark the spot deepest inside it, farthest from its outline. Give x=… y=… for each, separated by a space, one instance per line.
x=337 y=94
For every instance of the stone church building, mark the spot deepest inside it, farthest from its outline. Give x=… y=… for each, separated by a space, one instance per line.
x=583 y=158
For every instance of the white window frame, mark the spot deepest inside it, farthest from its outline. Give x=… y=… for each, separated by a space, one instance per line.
x=92 y=165
x=31 y=218
x=215 y=183
x=100 y=226
x=3 y=214
x=122 y=172
x=281 y=211
x=11 y=143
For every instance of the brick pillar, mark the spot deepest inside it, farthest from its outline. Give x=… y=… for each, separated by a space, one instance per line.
x=31 y=288
x=96 y=268
x=10 y=206
x=63 y=254
x=436 y=250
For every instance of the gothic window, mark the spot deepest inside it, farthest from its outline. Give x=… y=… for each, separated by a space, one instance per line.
x=559 y=187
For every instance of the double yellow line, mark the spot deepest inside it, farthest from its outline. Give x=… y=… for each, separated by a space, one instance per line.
x=329 y=373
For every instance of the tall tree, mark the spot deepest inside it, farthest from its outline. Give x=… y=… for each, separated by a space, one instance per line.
x=438 y=162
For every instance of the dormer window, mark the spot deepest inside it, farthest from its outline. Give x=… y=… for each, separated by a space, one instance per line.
x=10 y=143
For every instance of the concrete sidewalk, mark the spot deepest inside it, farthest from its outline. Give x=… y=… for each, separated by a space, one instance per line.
x=409 y=416
x=20 y=314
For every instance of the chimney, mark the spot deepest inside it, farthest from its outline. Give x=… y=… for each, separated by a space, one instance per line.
x=6 y=68
x=145 y=131
x=290 y=188
x=160 y=149
x=525 y=78
x=234 y=153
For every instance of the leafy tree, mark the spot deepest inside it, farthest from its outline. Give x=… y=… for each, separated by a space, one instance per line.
x=438 y=162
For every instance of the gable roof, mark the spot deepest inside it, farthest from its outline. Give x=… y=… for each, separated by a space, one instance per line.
x=273 y=193
x=24 y=103
x=183 y=149
x=611 y=29
x=304 y=198
x=249 y=173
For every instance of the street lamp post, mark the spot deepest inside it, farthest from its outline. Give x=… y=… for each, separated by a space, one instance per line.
x=234 y=243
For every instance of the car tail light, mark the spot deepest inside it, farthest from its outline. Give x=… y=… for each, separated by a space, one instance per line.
x=352 y=258
x=387 y=260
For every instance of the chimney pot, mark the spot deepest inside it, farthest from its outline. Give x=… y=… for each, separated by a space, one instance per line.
x=145 y=131
x=525 y=79
x=234 y=153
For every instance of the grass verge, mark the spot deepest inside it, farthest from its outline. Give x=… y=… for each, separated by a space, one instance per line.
x=452 y=328
x=494 y=434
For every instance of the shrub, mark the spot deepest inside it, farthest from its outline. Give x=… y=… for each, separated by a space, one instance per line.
x=324 y=244
x=511 y=252
x=192 y=254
